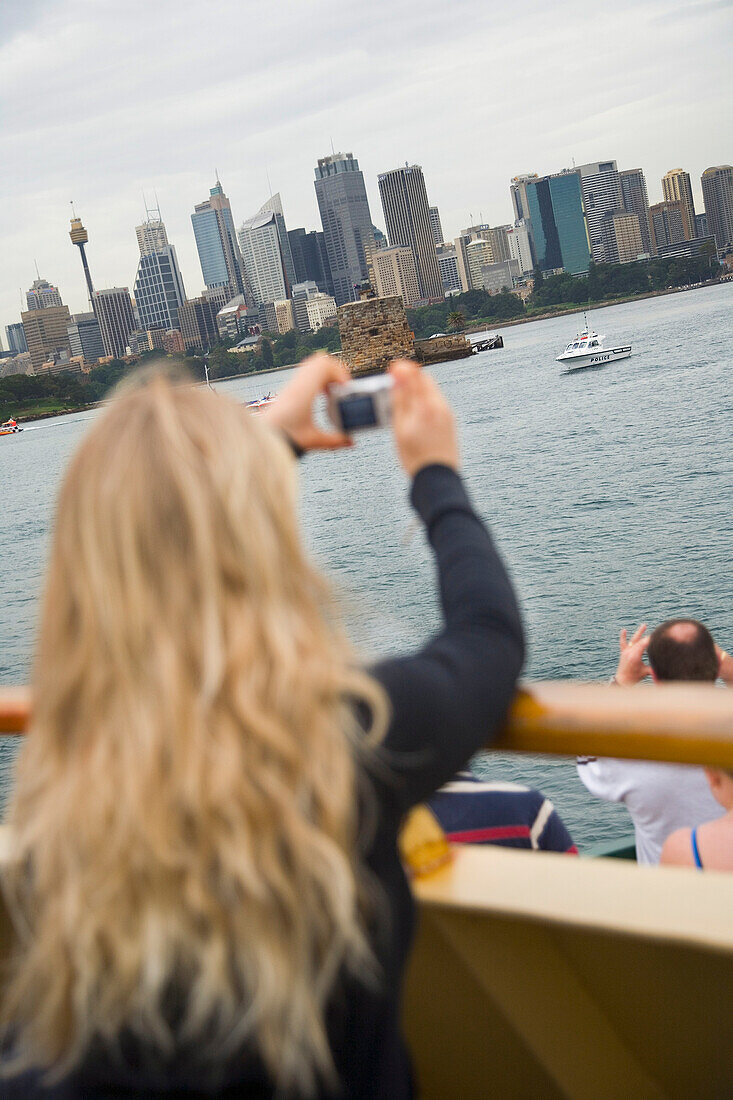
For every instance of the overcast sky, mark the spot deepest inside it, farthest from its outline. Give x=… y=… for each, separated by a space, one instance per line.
x=101 y=100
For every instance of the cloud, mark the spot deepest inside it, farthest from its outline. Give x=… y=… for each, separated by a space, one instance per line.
x=20 y=16
x=103 y=100
x=688 y=12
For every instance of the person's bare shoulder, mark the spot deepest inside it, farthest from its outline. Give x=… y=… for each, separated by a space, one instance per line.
x=677 y=849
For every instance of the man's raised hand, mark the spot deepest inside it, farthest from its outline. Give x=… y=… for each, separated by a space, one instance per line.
x=631 y=668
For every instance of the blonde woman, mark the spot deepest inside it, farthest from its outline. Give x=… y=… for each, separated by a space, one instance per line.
x=207 y=892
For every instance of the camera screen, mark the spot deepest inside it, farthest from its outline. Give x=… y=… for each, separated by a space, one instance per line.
x=358 y=412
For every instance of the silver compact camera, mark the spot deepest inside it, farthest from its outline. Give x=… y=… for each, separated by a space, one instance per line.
x=363 y=403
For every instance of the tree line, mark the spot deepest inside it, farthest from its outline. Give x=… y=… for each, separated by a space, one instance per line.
x=604 y=282
x=273 y=350
x=39 y=393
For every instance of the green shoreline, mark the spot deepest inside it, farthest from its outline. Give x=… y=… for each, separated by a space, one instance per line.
x=568 y=311
x=27 y=416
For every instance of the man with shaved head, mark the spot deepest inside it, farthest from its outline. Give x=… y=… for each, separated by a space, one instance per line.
x=660 y=797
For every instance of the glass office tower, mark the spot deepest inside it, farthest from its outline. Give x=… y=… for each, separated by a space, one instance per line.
x=216 y=241
x=346 y=221
x=557 y=223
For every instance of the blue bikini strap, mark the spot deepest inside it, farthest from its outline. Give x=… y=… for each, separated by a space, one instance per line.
x=695 y=849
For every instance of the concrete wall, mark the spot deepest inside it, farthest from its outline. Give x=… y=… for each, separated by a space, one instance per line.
x=442 y=349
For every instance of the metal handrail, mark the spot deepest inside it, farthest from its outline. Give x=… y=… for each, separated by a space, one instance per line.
x=686 y=723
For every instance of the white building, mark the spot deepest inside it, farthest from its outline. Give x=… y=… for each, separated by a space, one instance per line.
x=236 y=318
x=479 y=253
x=448 y=265
x=260 y=242
x=499 y=276
x=301 y=293
x=519 y=246
x=600 y=186
x=151 y=236
x=320 y=309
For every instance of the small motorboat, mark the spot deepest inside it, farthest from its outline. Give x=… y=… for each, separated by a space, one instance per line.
x=10 y=427
x=588 y=350
x=260 y=403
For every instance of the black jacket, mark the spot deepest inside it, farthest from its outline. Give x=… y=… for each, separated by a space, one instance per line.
x=447 y=701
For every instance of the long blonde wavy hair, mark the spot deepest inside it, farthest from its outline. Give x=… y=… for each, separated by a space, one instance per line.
x=185 y=809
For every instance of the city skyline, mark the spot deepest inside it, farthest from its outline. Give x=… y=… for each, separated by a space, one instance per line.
x=438 y=108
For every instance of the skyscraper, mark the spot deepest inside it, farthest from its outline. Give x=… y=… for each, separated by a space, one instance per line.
x=46 y=333
x=435 y=225
x=151 y=235
x=266 y=253
x=310 y=259
x=668 y=222
x=636 y=201
x=601 y=189
x=159 y=290
x=197 y=319
x=518 y=191
x=346 y=221
x=216 y=241
x=500 y=243
x=85 y=337
x=479 y=253
x=676 y=187
x=116 y=319
x=448 y=267
x=556 y=223
x=519 y=246
x=42 y=295
x=461 y=244
x=274 y=204
x=407 y=216
x=395 y=273
x=622 y=237
x=717 y=194
x=16 y=338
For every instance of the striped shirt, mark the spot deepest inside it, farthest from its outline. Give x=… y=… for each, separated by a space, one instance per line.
x=472 y=811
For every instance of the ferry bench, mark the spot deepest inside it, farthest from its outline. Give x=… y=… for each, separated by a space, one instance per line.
x=545 y=975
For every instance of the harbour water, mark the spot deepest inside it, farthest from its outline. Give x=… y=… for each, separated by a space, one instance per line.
x=609 y=490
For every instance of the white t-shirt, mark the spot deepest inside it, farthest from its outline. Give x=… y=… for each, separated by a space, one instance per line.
x=659 y=797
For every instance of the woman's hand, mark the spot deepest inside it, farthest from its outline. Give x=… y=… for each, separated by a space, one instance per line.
x=292 y=410
x=422 y=421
